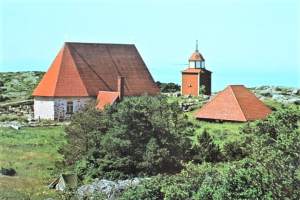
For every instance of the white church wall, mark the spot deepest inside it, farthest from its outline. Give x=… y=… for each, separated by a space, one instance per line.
x=60 y=106
x=43 y=108
x=56 y=108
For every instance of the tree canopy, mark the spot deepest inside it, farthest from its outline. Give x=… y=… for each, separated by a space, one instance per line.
x=151 y=136
x=270 y=171
x=138 y=136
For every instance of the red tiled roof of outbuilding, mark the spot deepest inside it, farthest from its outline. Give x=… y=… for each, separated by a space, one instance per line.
x=234 y=103
x=106 y=98
x=84 y=69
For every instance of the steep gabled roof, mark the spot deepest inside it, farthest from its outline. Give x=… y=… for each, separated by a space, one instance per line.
x=62 y=78
x=234 y=103
x=84 y=69
x=106 y=98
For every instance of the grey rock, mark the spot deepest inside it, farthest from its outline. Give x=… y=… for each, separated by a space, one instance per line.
x=266 y=93
x=12 y=124
x=295 y=100
x=206 y=97
x=279 y=97
x=8 y=171
x=263 y=87
x=278 y=88
x=111 y=189
x=296 y=91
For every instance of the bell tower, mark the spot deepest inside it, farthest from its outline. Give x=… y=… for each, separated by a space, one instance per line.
x=196 y=79
x=196 y=60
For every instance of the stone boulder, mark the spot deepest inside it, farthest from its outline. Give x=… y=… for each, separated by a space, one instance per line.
x=296 y=91
x=294 y=101
x=111 y=189
x=266 y=93
x=8 y=171
x=281 y=94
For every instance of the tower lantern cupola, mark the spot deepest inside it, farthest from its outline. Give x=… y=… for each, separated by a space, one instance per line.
x=196 y=79
x=196 y=60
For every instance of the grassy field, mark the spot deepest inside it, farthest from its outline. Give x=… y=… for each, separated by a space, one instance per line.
x=32 y=152
x=222 y=133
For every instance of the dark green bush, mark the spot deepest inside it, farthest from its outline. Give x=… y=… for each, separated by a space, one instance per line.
x=234 y=151
x=139 y=136
x=3 y=98
x=269 y=171
x=168 y=87
x=205 y=150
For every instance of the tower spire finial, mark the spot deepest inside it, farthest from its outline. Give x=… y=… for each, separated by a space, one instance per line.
x=197 y=46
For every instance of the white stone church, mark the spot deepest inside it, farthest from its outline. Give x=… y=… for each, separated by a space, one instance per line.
x=87 y=71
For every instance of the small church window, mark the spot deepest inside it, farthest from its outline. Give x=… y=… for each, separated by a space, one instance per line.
x=190 y=85
x=69 y=107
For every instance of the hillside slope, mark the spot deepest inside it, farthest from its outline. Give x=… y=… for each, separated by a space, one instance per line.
x=16 y=86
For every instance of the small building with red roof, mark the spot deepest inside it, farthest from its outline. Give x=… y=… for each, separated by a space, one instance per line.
x=234 y=103
x=196 y=79
x=85 y=71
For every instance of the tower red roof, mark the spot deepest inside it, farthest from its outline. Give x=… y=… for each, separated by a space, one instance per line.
x=234 y=103
x=195 y=70
x=196 y=56
x=84 y=69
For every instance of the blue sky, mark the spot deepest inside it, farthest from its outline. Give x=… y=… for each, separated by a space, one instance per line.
x=250 y=42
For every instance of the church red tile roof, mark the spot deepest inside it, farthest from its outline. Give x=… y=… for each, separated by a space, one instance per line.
x=106 y=98
x=84 y=69
x=234 y=103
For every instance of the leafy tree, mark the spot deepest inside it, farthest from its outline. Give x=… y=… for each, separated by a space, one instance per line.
x=202 y=90
x=83 y=133
x=275 y=144
x=148 y=190
x=271 y=171
x=283 y=120
x=205 y=149
x=168 y=87
x=234 y=151
x=140 y=135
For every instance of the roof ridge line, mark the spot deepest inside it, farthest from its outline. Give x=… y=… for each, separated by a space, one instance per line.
x=79 y=74
x=95 y=43
x=238 y=103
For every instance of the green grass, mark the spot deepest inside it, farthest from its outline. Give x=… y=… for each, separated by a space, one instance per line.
x=12 y=117
x=222 y=133
x=32 y=152
x=274 y=105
